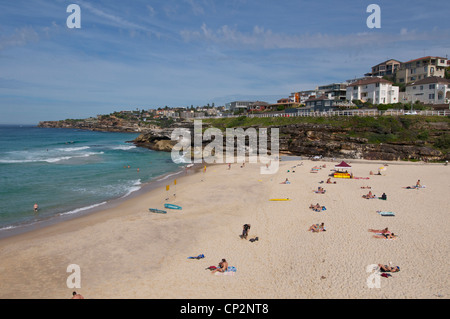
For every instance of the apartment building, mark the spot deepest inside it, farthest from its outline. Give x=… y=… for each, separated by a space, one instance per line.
x=374 y=90
x=334 y=91
x=301 y=96
x=431 y=90
x=388 y=67
x=238 y=105
x=421 y=68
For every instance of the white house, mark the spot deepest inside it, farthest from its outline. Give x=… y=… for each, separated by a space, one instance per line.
x=431 y=90
x=374 y=90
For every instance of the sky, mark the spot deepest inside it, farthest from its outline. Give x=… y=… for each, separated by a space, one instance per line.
x=138 y=54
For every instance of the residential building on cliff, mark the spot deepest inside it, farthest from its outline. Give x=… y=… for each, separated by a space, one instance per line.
x=421 y=68
x=388 y=67
x=374 y=90
x=334 y=91
x=431 y=90
x=238 y=105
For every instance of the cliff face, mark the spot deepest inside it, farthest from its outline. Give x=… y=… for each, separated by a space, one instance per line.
x=332 y=142
x=328 y=141
x=107 y=124
x=373 y=139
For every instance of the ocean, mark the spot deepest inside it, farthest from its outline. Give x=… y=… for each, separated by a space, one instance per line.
x=69 y=171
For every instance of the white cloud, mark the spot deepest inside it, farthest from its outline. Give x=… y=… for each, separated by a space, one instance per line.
x=21 y=36
x=116 y=20
x=197 y=9
x=262 y=38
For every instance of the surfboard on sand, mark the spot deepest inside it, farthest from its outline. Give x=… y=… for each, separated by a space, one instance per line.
x=172 y=206
x=386 y=213
x=158 y=211
x=279 y=199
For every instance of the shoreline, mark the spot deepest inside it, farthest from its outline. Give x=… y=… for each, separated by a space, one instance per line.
x=157 y=182
x=126 y=252
x=146 y=187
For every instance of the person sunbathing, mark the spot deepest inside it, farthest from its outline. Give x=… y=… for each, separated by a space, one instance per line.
x=369 y=195
x=223 y=266
x=366 y=187
x=330 y=182
x=380 y=231
x=316 y=207
x=286 y=181
x=386 y=268
x=386 y=236
x=317 y=228
x=320 y=190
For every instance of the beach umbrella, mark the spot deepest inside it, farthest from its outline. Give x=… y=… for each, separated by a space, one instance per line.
x=342 y=165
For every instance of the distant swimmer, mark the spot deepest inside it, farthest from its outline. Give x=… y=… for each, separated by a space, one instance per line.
x=36 y=207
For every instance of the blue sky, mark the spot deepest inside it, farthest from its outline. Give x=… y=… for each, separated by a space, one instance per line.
x=148 y=54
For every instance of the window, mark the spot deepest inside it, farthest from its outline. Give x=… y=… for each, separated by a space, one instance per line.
x=421 y=87
x=413 y=71
x=414 y=87
x=431 y=96
x=377 y=85
x=401 y=80
x=432 y=86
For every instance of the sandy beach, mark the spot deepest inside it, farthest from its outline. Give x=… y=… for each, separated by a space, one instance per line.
x=127 y=252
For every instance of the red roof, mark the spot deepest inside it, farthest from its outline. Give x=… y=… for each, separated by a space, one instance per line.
x=342 y=164
x=424 y=58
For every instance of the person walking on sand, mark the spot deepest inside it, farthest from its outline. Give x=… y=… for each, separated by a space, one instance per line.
x=245 y=230
x=76 y=295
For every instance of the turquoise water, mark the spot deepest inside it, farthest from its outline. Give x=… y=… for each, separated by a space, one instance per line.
x=68 y=171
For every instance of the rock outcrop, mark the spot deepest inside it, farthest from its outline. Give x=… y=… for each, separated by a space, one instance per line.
x=303 y=139
x=322 y=140
x=104 y=124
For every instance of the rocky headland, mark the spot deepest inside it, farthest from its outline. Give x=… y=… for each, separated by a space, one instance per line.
x=371 y=139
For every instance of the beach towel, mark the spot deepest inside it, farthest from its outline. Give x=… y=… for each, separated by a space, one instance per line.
x=231 y=270
x=386 y=213
x=197 y=257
